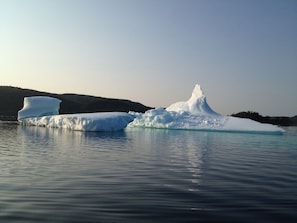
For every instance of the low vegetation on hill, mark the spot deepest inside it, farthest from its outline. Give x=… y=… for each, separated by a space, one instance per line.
x=11 y=101
x=282 y=121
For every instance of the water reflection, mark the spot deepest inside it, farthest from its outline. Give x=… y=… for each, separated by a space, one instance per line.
x=56 y=152
x=56 y=137
x=178 y=153
x=41 y=131
x=135 y=175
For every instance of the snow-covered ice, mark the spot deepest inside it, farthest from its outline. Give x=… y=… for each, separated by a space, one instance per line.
x=44 y=111
x=196 y=114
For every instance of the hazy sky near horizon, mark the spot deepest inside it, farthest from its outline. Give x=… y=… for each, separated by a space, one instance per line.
x=242 y=52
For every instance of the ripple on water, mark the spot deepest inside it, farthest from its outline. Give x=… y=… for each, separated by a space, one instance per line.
x=137 y=175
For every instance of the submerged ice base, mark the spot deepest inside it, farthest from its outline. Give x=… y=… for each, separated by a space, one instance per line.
x=44 y=111
x=196 y=114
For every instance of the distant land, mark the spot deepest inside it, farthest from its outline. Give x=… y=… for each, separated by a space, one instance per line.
x=11 y=101
x=282 y=121
x=12 y=98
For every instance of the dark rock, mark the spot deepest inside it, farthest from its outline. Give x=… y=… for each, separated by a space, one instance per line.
x=282 y=121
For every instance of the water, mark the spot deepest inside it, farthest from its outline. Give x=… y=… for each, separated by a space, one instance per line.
x=146 y=175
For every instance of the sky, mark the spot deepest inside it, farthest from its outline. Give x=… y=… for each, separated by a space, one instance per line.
x=243 y=53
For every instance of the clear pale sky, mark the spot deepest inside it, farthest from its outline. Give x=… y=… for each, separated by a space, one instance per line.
x=242 y=52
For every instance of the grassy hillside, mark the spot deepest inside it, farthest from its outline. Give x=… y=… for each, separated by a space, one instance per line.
x=11 y=101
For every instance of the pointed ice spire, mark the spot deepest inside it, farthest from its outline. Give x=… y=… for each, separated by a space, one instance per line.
x=197 y=93
x=196 y=105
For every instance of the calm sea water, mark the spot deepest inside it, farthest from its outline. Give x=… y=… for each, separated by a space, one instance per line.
x=146 y=175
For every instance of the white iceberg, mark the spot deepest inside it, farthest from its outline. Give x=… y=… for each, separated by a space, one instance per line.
x=39 y=106
x=44 y=111
x=196 y=114
x=193 y=114
x=196 y=105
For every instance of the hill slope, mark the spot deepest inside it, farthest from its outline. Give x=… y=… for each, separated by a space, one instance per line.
x=11 y=101
x=282 y=121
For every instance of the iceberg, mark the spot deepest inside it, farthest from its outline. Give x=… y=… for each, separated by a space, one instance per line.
x=196 y=105
x=196 y=114
x=193 y=114
x=44 y=111
x=39 y=106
